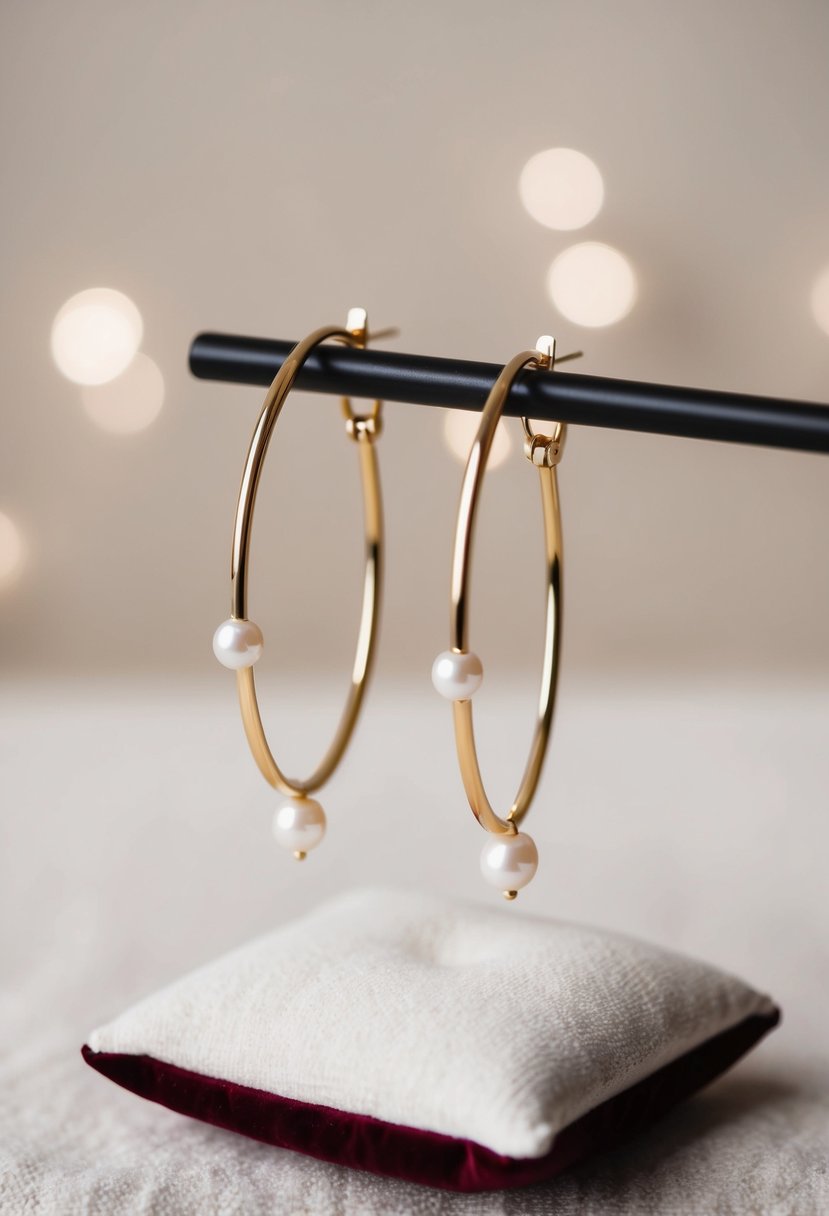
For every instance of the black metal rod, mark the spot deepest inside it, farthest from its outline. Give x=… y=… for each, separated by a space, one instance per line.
x=587 y=400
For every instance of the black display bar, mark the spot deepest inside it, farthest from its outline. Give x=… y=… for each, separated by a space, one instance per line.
x=627 y=405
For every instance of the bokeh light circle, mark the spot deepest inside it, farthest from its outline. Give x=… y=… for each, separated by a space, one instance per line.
x=820 y=300
x=95 y=335
x=11 y=548
x=459 y=430
x=561 y=188
x=130 y=402
x=592 y=284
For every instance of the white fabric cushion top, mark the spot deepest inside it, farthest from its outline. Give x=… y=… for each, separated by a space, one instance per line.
x=479 y=1023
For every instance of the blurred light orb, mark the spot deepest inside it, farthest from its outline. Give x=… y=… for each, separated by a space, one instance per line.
x=11 y=548
x=460 y=429
x=95 y=335
x=561 y=188
x=820 y=300
x=130 y=402
x=592 y=284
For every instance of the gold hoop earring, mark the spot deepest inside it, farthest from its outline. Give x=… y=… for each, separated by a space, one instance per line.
x=509 y=859
x=299 y=824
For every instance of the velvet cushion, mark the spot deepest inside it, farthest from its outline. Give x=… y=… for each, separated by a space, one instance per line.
x=458 y=1047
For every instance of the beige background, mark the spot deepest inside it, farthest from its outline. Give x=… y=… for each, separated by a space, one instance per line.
x=258 y=168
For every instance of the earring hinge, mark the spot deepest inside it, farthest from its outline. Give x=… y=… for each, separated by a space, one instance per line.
x=546 y=451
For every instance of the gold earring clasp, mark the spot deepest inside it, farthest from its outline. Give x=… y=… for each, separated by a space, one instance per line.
x=546 y=451
x=363 y=428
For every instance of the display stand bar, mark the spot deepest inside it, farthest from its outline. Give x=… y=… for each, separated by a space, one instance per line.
x=627 y=405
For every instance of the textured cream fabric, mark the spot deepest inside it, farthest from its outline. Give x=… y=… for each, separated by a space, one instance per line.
x=141 y=847
x=476 y=1022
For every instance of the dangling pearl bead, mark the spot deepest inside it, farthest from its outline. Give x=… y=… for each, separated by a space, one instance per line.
x=299 y=825
x=457 y=676
x=509 y=862
x=237 y=643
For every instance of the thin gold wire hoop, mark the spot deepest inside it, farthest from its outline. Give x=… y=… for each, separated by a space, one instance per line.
x=364 y=430
x=544 y=452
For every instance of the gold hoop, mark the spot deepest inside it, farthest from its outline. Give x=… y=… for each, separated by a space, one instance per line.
x=240 y=645
x=457 y=673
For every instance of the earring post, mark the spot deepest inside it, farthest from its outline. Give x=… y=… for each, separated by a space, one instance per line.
x=595 y=401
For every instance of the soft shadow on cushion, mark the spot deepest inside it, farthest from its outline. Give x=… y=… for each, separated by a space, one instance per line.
x=421 y=1156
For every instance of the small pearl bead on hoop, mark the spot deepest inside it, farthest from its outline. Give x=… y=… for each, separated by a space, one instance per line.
x=237 y=643
x=457 y=676
x=509 y=862
x=299 y=825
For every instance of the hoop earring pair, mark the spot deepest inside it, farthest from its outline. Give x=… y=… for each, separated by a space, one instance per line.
x=509 y=860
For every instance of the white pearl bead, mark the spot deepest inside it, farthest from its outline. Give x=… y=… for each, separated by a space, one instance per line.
x=237 y=643
x=299 y=825
x=509 y=862
x=457 y=676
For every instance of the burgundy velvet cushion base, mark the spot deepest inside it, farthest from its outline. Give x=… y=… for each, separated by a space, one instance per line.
x=369 y=1144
